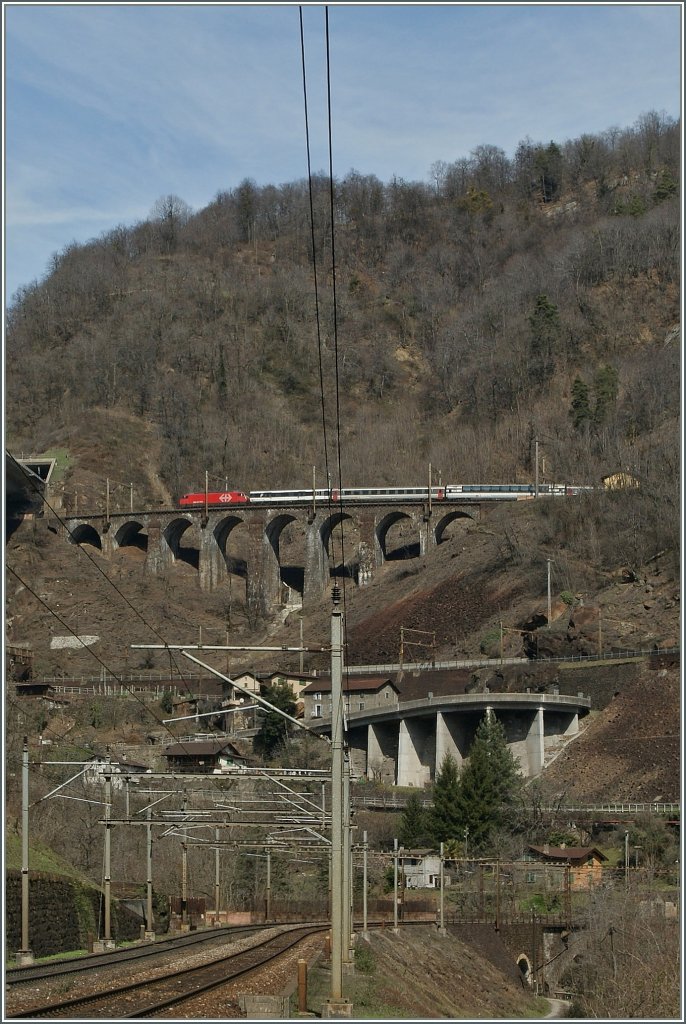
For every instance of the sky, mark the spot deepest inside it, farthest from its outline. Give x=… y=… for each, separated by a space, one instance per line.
x=108 y=107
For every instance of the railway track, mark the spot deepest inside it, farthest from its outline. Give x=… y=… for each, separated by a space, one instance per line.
x=151 y=995
x=90 y=961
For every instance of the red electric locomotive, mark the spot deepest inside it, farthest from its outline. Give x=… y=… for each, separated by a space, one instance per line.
x=214 y=498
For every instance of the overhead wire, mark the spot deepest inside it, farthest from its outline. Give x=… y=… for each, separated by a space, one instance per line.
x=148 y=709
x=340 y=502
x=93 y=562
x=314 y=265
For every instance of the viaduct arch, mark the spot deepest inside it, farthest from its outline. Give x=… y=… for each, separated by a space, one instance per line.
x=202 y=541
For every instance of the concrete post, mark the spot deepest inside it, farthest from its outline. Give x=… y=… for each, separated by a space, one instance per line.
x=268 y=897
x=150 y=933
x=25 y=956
x=337 y=810
x=184 y=873
x=365 y=933
x=108 y=838
x=216 y=875
x=441 y=906
x=395 y=886
x=347 y=874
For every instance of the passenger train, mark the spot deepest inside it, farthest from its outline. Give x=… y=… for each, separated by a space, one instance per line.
x=381 y=495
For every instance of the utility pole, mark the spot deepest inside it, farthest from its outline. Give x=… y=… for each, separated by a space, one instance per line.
x=216 y=876
x=429 y=488
x=536 y=461
x=25 y=956
x=336 y=1005
x=441 y=918
x=108 y=848
x=184 y=868
x=148 y=912
x=107 y=500
x=365 y=933
x=268 y=895
x=395 y=886
x=549 y=599
x=347 y=880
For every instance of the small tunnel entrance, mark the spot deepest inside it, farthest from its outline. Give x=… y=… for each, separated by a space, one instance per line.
x=524 y=965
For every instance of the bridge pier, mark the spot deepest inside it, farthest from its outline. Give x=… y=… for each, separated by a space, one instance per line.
x=416 y=752
x=316 y=570
x=535 y=744
x=211 y=567
x=450 y=739
x=370 y=554
x=382 y=752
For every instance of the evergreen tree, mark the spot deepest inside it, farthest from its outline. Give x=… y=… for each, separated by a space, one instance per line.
x=414 y=826
x=605 y=387
x=445 y=821
x=580 y=411
x=273 y=731
x=488 y=784
x=546 y=332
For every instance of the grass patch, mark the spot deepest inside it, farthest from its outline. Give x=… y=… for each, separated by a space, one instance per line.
x=41 y=858
x=359 y=988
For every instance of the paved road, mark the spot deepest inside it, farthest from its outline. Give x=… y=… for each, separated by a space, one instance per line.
x=558 y=1008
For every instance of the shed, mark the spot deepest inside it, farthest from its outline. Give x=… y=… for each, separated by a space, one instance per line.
x=422 y=869
x=585 y=865
x=203 y=756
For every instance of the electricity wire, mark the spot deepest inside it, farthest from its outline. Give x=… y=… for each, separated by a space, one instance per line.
x=124 y=598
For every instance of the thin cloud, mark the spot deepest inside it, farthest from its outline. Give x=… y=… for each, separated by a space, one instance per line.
x=110 y=106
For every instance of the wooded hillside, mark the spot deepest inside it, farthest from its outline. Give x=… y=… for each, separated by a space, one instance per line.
x=503 y=301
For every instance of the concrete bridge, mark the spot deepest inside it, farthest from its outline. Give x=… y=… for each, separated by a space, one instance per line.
x=204 y=542
x=405 y=744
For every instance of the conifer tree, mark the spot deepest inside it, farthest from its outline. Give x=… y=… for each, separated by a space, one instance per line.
x=605 y=387
x=445 y=820
x=414 y=827
x=546 y=332
x=580 y=411
x=488 y=784
x=273 y=731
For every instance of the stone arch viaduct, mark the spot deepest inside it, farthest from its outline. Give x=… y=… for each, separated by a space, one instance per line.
x=167 y=536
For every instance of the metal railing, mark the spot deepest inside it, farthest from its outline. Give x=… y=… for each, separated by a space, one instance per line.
x=427 y=666
x=399 y=800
